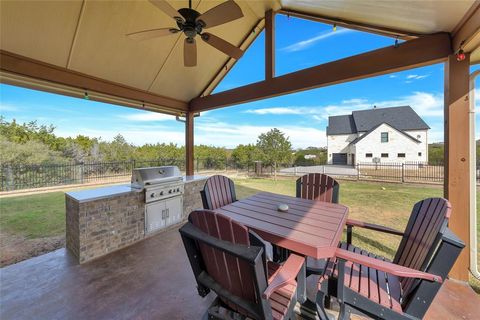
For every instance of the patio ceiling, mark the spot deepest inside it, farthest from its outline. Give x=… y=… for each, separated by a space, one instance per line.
x=87 y=38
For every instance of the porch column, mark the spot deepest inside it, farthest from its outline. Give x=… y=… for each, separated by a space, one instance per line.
x=189 y=144
x=457 y=157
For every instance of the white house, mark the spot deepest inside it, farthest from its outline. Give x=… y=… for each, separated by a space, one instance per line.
x=382 y=135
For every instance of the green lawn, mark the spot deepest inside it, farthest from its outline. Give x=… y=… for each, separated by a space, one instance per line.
x=33 y=216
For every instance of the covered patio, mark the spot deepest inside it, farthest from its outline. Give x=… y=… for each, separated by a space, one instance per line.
x=80 y=49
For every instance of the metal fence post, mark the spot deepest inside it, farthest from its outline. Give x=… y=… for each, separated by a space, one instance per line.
x=10 y=182
x=197 y=164
x=403 y=172
x=358 y=172
x=82 y=172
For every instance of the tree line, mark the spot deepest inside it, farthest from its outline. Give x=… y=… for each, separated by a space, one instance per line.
x=31 y=143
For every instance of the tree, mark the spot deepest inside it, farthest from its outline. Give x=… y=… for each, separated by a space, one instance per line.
x=275 y=148
x=244 y=155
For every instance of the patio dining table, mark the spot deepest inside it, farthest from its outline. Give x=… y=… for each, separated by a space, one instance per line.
x=310 y=228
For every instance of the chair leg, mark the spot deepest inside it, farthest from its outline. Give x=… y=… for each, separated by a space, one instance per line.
x=320 y=303
x=344 y=312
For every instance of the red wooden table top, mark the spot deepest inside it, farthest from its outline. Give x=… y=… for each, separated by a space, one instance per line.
x=312 y=228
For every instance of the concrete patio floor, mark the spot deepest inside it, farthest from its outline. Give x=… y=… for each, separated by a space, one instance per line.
x=148 y=280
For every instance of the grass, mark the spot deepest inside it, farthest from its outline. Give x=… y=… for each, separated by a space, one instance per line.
x=33 y=216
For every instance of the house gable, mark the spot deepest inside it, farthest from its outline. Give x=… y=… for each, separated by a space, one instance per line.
x=386 y=124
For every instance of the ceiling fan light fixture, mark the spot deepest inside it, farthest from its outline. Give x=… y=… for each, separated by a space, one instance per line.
x=191 y=23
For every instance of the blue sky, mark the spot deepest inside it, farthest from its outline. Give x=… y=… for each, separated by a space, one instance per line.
x=302 y=116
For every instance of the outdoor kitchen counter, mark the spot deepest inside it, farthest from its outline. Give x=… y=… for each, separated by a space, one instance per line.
x=101 y=193
x=103 y=220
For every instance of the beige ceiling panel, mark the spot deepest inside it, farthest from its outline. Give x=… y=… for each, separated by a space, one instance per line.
x=260 y=7
x=41 y=30
x=475 y=56
x=187 y=83
x=102 y=48
x=413 y=16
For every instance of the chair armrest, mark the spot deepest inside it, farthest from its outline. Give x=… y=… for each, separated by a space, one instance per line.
x=388 y=267
x=285 y=275
x=371 y=226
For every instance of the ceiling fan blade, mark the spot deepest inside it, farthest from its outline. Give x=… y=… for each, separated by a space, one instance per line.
x=167 y=9
x=153 y=33
x=222 y=45
x=189 y=53
x=223 y=13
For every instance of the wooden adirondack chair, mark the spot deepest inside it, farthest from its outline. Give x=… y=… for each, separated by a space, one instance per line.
x=403 y=288
x=228 y=259
x=218 y=192
x=317 y=186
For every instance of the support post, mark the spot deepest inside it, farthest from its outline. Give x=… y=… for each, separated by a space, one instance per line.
x=189 y=168
x=457 y=157
x=269 y=45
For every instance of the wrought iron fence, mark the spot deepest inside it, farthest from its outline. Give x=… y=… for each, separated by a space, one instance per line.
x=420 y=172
x=48 y=175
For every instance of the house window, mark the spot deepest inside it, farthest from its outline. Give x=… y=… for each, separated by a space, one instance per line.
x=384 y=155
x=419 y=154
x=384 y=136
x=368 y=155
x=401 y=155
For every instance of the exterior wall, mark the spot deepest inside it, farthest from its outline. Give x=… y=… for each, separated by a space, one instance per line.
x=397 y=143
x=97 y=227
x=191 y=198
x=340 y=144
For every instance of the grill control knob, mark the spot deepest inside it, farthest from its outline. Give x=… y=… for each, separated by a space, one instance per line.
x=178 y=189
x=170 y=191
x=161 y=193
x=152 y=195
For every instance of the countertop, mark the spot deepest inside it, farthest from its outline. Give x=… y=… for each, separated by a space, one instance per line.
x=116 y=190
x=100 y=193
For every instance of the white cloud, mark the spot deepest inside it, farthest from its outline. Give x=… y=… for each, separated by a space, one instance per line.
x=148 y=116
x=392 y=76
x=416 y=77
x=284 y=110
x=229 y=135
x=8 y=107
x=304 y=44
x=424 y=103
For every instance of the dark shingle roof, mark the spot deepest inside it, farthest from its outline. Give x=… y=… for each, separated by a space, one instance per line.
x=341 y=125
x=401 y=118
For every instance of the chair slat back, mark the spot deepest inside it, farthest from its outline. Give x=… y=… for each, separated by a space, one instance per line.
x=218 y=192
x=233 y=274
x=317 y=186
x=426 y=221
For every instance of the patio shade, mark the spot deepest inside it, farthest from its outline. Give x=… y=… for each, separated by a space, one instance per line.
x=89 y=36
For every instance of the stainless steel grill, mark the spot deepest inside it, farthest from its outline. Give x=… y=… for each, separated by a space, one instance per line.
x=164 y=189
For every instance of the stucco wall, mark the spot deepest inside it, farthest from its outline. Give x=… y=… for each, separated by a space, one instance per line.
x=398 y=143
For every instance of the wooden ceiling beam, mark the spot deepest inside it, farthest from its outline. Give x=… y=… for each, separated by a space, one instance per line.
x=30 y=68
x=410 y=54
x=269 y=44
x=466 y=35
x=384 y=31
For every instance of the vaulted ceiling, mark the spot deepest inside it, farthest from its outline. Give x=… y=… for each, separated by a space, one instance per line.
x=90 y=36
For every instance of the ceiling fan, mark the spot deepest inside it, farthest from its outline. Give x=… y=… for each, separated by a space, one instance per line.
x=192 y=23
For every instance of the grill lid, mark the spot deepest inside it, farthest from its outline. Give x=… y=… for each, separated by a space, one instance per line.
x=142 y=177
